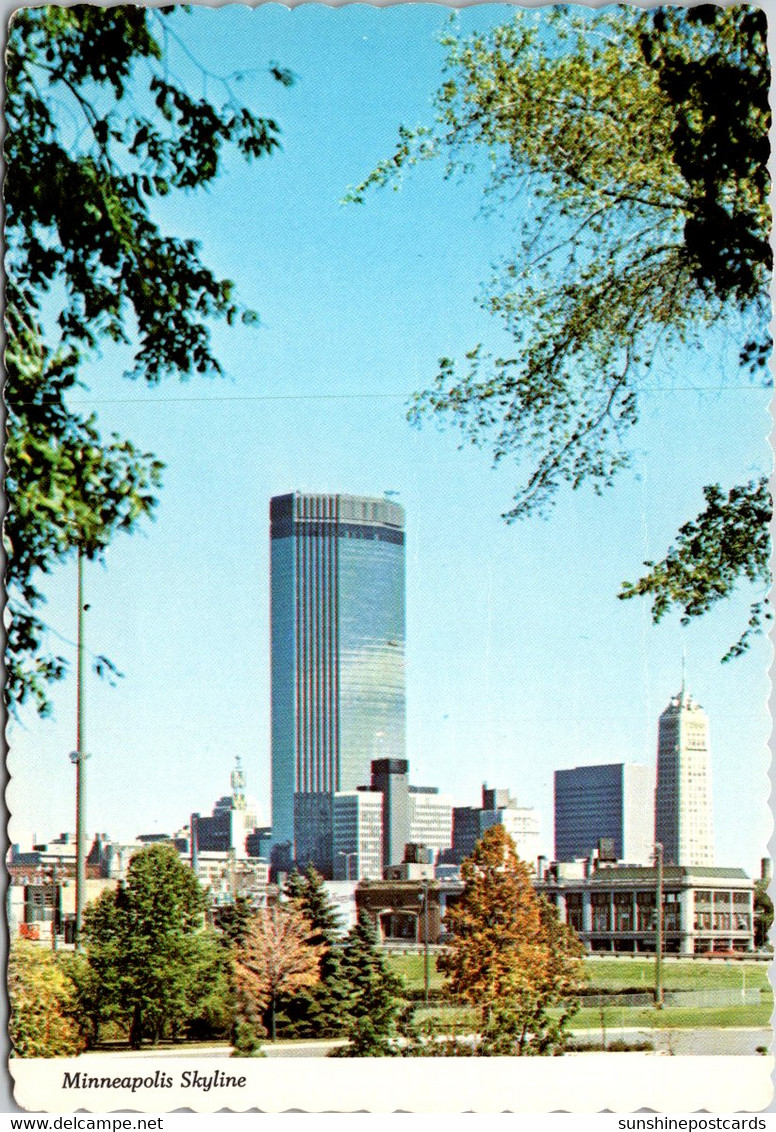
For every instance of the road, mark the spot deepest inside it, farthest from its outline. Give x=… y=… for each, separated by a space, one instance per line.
x=741 y=1041
x=727 y=1041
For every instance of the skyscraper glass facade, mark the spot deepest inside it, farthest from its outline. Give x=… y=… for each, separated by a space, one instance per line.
x=609 y=801
x=337 y=642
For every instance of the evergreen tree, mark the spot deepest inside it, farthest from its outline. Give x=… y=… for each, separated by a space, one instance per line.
x=316 y=1011
x=374 y=1002
x=315 y=905
x=763 y=915
x=232 y=920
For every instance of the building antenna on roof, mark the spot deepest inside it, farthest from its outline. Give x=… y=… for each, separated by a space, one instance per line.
x=684 y=672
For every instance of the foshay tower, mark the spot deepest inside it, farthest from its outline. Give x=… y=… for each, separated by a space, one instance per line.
x=683 y=823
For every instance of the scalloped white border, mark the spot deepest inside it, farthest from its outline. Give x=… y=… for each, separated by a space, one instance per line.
x=593 y=1083
x=618 y=1082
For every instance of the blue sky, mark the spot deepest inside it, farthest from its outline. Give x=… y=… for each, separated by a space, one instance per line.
x=520 y=659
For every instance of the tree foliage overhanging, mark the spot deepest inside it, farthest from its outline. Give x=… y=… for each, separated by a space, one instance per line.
x=98 y=128
x=632 y=148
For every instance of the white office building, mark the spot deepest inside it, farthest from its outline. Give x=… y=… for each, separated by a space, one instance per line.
x=683 y=814
x=431 y=818
x=357 y=843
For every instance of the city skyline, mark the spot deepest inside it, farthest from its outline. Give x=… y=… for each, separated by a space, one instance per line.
x=520 y=659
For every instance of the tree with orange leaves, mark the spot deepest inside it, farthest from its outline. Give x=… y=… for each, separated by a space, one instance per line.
x=276 y=957
x=510 y=955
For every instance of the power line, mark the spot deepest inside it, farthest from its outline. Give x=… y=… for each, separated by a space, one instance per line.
x=353 y=396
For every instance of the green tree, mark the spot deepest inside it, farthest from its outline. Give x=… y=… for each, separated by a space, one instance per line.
x=97 y=129
x=42 y=1000
x=233 y=920
x=316 y=1011
x=209 y=1004
x=631 y=146
x=763 y=915
x=374 y=996
x=146 y=946
x=509 y=955
x=99 y=973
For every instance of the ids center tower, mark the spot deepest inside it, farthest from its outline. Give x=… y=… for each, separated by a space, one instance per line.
x=337 y=617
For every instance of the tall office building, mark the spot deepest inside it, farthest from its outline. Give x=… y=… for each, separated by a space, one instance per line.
x=412 y=815
x=357 y=849
x=337 y=640
x=683 y=823
x=390 y=779
x=614 y=801
x=498 y=808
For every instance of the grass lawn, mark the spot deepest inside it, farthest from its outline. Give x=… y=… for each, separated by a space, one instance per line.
x=410 y=970
x=618 y=974
x=608 y=974
x=678 y=974
x=672 y=1017
x=462 y=1019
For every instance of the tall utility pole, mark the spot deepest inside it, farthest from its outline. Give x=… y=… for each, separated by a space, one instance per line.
x=659 y=928
x=426 y=967
x=79 y=759
x=54 y=902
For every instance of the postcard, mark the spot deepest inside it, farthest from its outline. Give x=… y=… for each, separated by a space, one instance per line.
x=388 y=535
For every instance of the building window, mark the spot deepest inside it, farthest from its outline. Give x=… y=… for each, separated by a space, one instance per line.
x=623 y=912
x=574 y=911
x=645 y=912
x=601 y=912
x=671 y=909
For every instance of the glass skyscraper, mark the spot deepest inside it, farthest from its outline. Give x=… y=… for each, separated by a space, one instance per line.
x=608 y=801
x=337 y=641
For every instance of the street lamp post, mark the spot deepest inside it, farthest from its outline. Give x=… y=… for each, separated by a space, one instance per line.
x=348 y=857
x=426 y=964
x=425 y=941
x=659 y=927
